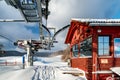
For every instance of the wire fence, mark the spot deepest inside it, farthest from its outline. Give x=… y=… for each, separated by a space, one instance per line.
x=8 y=63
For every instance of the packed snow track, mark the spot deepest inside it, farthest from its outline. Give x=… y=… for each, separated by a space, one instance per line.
x=44 y=73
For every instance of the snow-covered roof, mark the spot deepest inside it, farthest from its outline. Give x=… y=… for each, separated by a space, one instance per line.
x=100 y=22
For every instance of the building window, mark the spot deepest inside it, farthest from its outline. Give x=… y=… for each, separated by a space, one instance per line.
x=86 y=47
x=75 y=50
x=103 y=45
x=117 y=47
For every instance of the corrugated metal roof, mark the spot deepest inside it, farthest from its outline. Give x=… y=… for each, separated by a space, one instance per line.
x=104 y=24
x=100 y=22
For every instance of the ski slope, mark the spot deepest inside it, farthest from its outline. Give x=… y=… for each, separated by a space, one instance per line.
x=45 y=68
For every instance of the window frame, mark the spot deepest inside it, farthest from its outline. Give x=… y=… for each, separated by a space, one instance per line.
x=103 y=43
x=75 y=49
x=83 y=52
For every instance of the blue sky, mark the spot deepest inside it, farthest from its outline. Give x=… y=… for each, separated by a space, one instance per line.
x=34 y=28
x=60 y=16
x=117 y=15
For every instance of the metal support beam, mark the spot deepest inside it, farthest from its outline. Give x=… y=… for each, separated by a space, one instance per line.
x=29 y=57
x=40 y=15
x=12 y=20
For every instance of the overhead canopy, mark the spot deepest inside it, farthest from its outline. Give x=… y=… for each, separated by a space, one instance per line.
x=116 y=70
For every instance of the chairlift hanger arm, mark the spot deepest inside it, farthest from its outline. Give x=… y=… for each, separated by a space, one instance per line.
x=46 y=29
x=60 y=30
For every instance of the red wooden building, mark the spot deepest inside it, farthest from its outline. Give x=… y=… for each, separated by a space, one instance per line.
x=95 y=47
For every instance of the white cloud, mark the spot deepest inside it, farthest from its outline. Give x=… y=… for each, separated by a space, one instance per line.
x=63 y=10
x=61 y=13
x=14 y=31
x=17 y=31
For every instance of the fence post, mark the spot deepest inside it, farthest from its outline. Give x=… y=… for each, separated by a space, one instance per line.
x=23 y=62
x=6 y=62
x=15 y=62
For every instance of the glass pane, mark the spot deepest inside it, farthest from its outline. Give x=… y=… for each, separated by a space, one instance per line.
x=100 y=52
x=86 y=47
x=100 y=45
x=89 y=40
x=117 y=40
x=106 y=52
x=106 y=39
x=117 y=47
x=75 y=53
x=100 y=39
x=75 y=50
x=106 y=45
x=76 y=47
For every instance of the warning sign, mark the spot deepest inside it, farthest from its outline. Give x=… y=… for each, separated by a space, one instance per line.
x=104 y=61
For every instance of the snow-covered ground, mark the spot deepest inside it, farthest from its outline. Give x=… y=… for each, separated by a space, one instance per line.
x=45 y=68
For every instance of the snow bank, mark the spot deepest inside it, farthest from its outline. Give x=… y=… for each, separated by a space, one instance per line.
x=50 y=61
x=45 y=68
x=17 y=74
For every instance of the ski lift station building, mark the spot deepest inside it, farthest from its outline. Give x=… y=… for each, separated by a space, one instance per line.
x=95 y=47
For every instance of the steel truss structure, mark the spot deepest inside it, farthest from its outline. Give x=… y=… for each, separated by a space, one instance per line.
x=34 y=11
